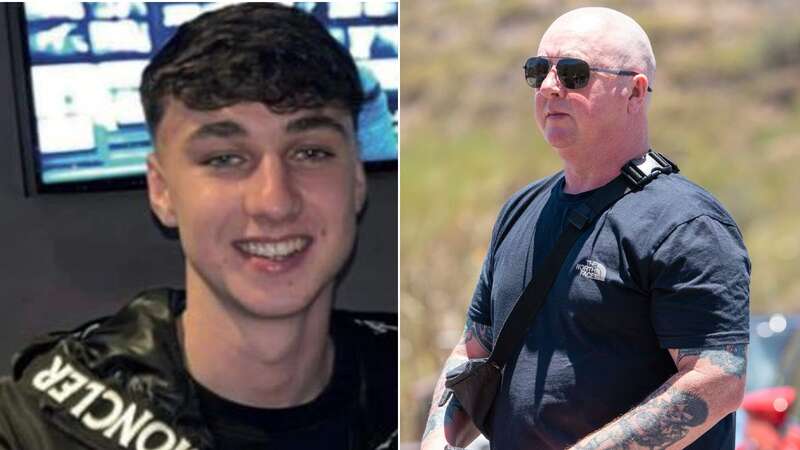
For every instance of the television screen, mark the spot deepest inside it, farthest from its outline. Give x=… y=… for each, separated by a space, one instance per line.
x=85 y=62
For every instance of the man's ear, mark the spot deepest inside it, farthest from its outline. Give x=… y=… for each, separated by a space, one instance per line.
x=158 y=192
x=638 y=96
x=360 y=188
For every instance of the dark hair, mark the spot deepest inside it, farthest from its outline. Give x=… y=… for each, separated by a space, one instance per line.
x=269 y=53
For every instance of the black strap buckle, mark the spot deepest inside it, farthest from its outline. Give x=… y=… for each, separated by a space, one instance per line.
x=446 y=395
x=640 y=171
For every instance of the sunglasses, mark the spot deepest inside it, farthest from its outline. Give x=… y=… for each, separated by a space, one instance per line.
x=573 y=72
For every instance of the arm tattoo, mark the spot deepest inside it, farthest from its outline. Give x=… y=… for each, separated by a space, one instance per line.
x=440 y=416
x=434 y=421
x=732 y=359
x=655 y=424
x=443 y=416
x=480 y=332
x=669 y=413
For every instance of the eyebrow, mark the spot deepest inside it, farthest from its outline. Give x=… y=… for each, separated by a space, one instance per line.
x=229 y=128
x=311 y=122
x=222 y=129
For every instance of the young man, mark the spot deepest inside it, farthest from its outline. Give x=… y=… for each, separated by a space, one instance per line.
x=641 y=342
x=252 y=109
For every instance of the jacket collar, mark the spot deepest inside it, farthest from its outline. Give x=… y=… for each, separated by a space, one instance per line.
x=135 y=355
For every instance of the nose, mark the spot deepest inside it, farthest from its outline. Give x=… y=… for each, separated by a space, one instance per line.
x=270 y=193
x=551 y=86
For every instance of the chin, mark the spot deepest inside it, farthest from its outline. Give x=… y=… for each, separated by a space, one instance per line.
x=296 y=291
x=561 y=145
x=278 y=303
x=558 y=138
x=275 y=308
x=251 y=291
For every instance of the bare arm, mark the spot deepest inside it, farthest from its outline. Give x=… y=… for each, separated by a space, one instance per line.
x=449 y=423
x=708 y=386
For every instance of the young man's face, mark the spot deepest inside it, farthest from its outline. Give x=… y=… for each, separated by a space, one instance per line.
x=265 y=203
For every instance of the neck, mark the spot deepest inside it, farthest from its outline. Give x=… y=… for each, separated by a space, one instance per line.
x=589 y=167
x=262 y=362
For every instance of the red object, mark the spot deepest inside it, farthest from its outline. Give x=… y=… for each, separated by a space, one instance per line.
x=770 y=404
x=792 y=437
x=767 y=411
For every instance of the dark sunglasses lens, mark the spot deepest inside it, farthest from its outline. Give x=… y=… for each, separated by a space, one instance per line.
x=536 y=70
x=573 y=73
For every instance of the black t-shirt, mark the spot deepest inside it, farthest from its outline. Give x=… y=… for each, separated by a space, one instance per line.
x=240 y=427
x=324 y=423
x=662 y=268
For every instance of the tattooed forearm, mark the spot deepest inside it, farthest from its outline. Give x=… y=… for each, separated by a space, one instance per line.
x=450 y=417
x=480 y=332
x=732 y=359
x=684 y=407
x=434 y=421
x=655 y=424
x=442 y=415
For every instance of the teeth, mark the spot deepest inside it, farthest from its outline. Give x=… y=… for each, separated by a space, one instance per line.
x=274 y=250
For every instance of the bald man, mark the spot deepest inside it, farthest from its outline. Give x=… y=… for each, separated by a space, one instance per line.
x=641 y=342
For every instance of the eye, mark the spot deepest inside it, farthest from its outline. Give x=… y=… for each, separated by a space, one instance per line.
x=224 y=160
x=312 y=154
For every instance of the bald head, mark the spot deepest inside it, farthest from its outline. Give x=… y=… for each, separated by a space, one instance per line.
x=605 y=36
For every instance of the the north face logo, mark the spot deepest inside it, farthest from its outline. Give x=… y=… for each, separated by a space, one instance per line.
x=592 y=270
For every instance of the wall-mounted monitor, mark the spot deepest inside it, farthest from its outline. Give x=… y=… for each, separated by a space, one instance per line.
x=81 y=64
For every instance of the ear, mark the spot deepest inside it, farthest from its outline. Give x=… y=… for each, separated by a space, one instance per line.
x=638 y=96
x=158 y=192
x=360 y=187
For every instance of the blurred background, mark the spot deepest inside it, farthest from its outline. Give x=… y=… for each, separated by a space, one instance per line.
x=726 y=108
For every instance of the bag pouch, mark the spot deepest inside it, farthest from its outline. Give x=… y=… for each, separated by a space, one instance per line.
x=475 y=384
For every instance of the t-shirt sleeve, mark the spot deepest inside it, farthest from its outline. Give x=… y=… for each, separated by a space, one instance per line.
x=480 y=308
x=701 y=286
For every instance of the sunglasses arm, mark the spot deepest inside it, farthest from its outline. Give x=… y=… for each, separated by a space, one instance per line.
x=627 y=73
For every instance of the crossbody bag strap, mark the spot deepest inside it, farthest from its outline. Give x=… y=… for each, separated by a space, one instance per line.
x=533 y=297
x=521 y=204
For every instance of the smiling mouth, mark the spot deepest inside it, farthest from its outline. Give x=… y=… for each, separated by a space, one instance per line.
x=277 y=250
